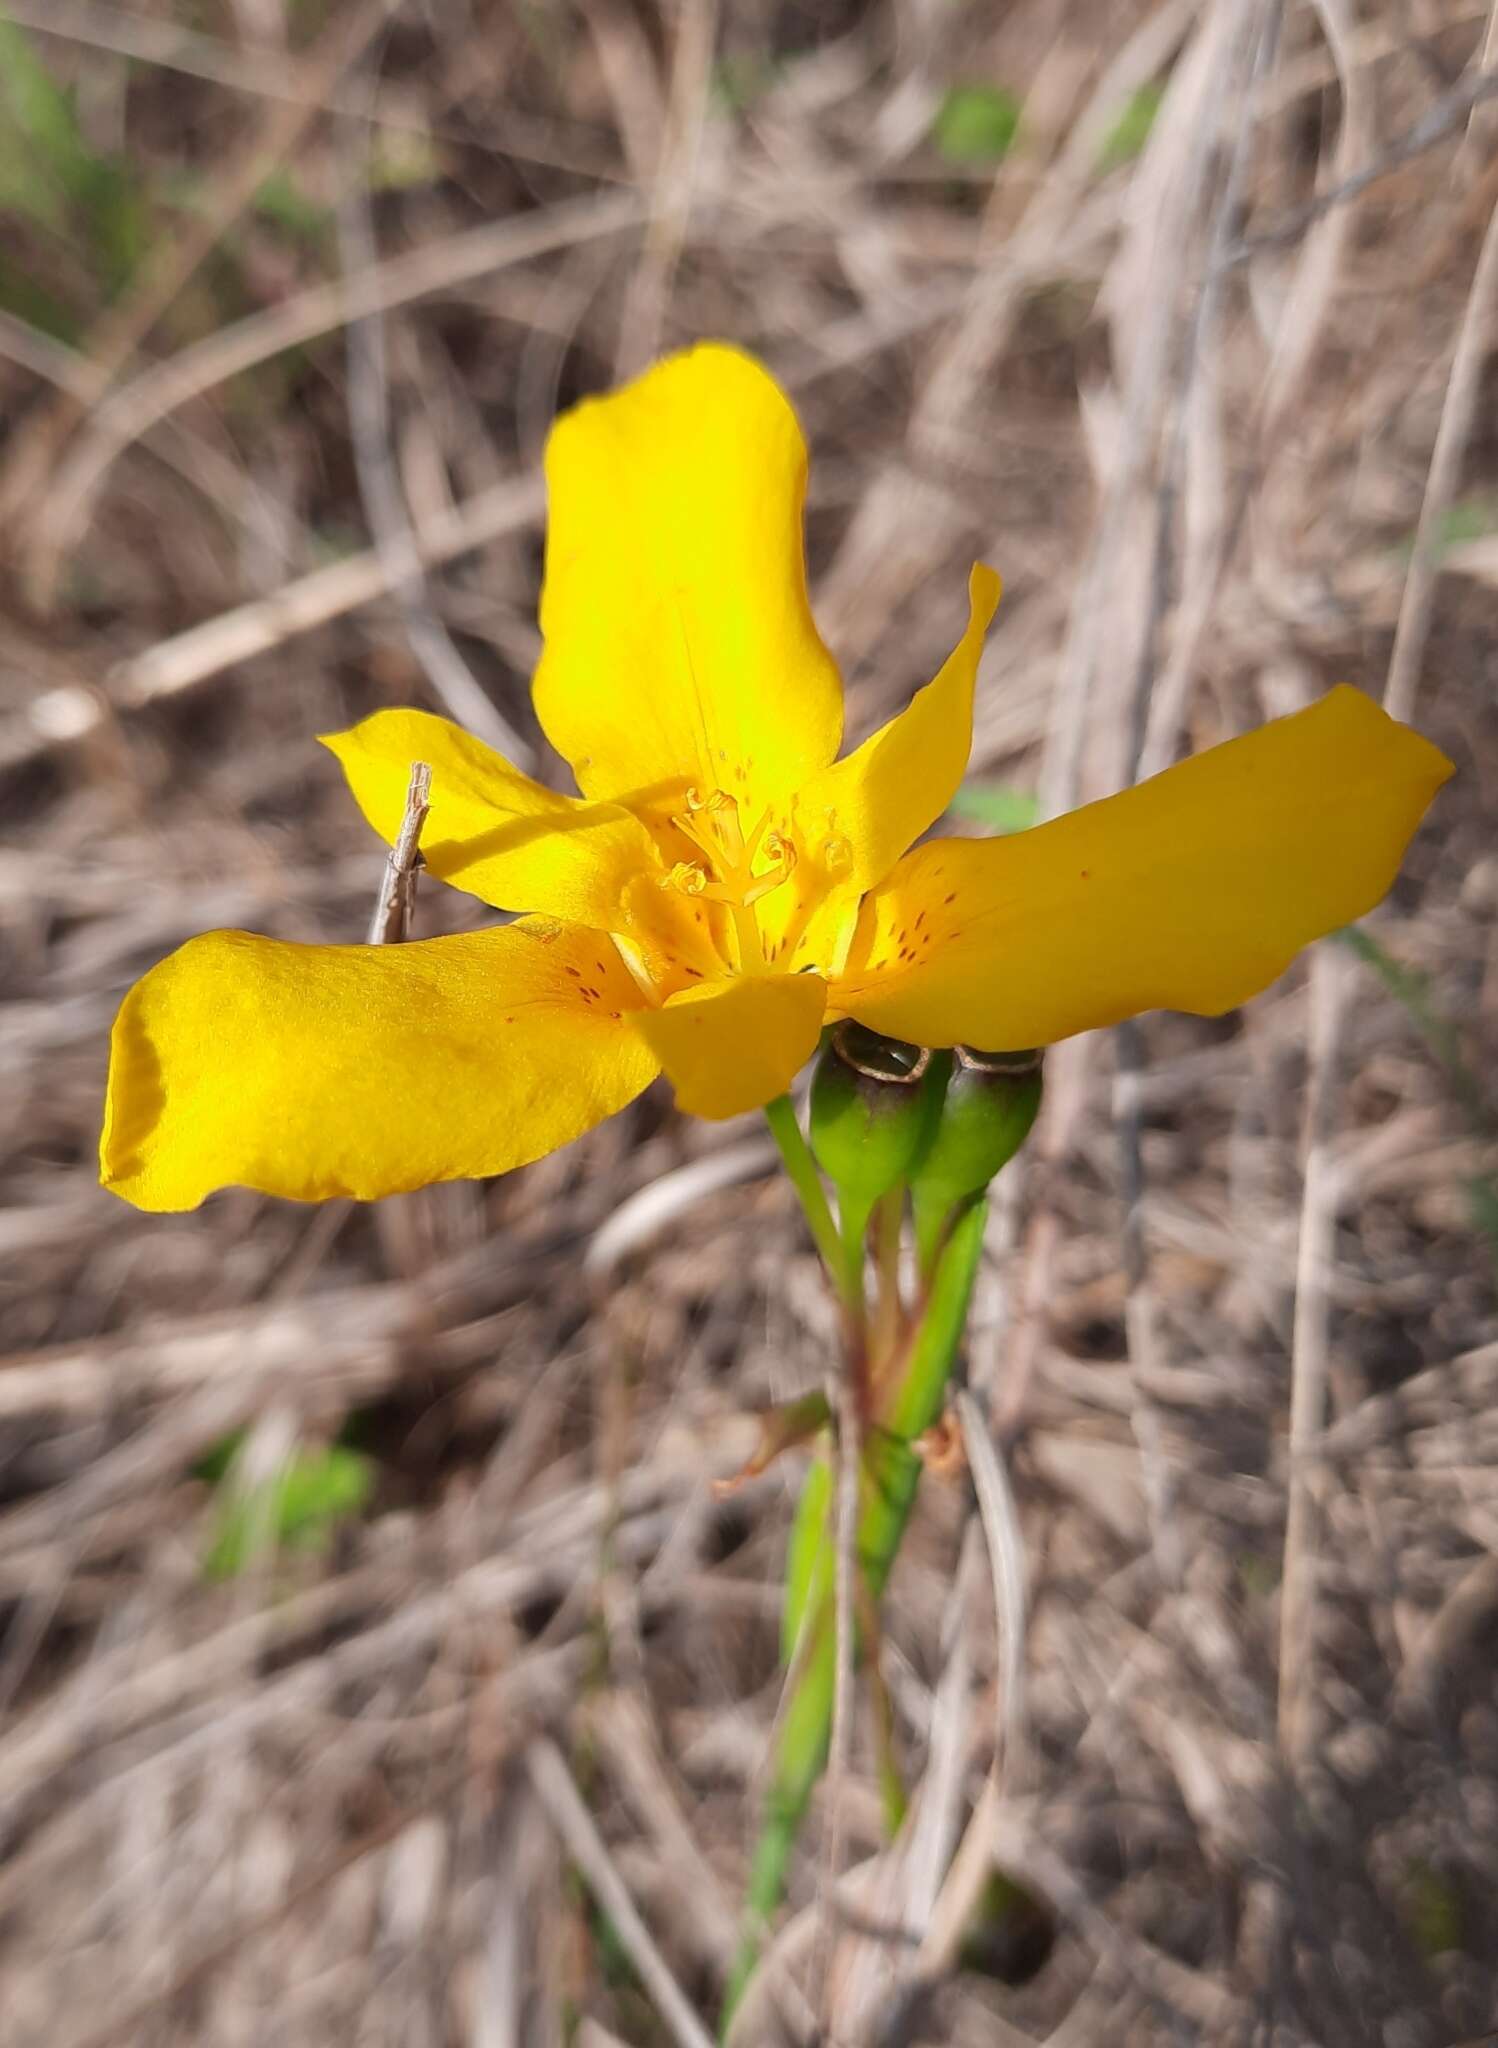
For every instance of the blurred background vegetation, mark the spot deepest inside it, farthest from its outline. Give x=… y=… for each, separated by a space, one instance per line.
x=365 y=1606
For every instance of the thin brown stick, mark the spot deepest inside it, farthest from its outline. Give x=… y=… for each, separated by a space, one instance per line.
x=391 y=921
x=1225 y=41
x=1330 y=985
x=632 y=1744
x=123 y=327
x=1006 y=1557
x=121 y=2029
x=453 y=683
x=1474 y=344
x=1447 y=115
x=1330 y=991
x=1141 y=1318
x=256 y=628
x=270 y=74
x=641 y=1215
x=1476 y=144
x=676 y=171
x=558 y=1793
x=990 y=302
x=135 y=407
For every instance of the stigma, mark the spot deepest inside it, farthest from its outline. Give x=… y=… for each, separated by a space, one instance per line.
x=732 y=870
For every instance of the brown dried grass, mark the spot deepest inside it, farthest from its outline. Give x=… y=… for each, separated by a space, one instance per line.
x=1192 y=418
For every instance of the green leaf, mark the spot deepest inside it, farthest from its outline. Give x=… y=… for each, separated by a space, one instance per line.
x=49 y=175
x=997 y=806
x=809 y=1555
x=298 y=1509
x=44 y=162
x=976 y=124
x=1131 y=131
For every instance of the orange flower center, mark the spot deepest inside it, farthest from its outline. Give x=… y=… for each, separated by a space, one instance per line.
x=735 y=871
x=742 y=900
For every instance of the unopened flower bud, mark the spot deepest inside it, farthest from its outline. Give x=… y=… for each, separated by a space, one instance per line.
x=870 y=1110
x=991 y=1102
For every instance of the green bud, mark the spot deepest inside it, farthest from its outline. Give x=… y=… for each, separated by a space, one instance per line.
x=991 y=1101
x=871 y=1110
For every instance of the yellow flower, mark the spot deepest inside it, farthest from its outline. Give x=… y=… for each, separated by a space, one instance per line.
x=724 y=886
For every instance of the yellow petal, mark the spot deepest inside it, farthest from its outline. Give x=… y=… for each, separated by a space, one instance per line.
x=882 y=797
x=491 y=830
x=679 y=642
x=1190 y=892
x=314 y=1071
x=736 y=1044
x=864 y=810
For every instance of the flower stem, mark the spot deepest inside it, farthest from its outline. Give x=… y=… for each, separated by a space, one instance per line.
x=917 y=1400
x=891 y=1784
x=780 y=1115
x=889 y=1217
x=854 y=1212
x=889 y=1474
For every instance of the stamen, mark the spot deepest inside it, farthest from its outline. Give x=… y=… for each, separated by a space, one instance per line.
x=751 y=847
x=723 y=811
x=782 y=856
x=736 y=871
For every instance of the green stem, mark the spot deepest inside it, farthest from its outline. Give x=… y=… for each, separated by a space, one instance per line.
x=889 y=1219
x=931 y=1215
x=918 y=1399
x=801 y=1740
x=890 y=1473
x=854 y=1212
x=804 y=1730
x=780 y=1115
x=891 y=1784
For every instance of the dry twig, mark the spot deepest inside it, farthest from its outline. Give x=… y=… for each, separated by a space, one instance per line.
x=558 y=1793
x=390 y=922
